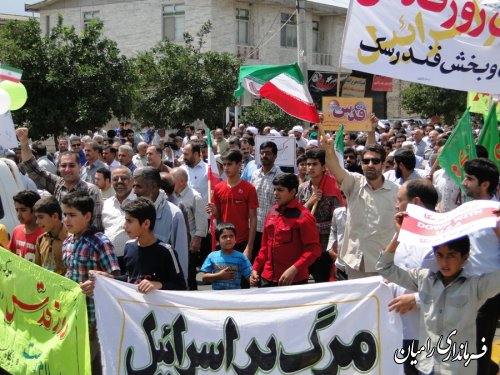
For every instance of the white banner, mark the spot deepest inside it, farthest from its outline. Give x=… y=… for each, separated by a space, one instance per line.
x=328 y=328
x=452 y=44
x=286 y=149
x=424 y=227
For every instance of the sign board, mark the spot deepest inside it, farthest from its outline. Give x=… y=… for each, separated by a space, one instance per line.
x=354 y=113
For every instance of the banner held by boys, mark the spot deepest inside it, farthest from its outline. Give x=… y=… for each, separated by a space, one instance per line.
x=274 y=331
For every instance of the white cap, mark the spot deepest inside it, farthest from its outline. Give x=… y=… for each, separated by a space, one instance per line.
x=298 y=128
x=253 y=130
x=312 y=142
x=275 y=133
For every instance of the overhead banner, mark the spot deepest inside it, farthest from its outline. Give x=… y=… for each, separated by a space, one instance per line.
x=450 y=44
x=424 y=227
x=328 y=328
x=43 y=320
x=286 y=149
x=353 y=113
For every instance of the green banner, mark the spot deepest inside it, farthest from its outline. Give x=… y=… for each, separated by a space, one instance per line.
x=458 y=149
x=43 y=320
x=489 y=136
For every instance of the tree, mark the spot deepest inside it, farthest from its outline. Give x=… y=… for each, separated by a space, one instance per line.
x=180 y=84
x=264 y=113
x=75 y=82
x=428 y=101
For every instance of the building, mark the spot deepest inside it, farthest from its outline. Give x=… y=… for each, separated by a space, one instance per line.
x=261 y=31
x=4 y=18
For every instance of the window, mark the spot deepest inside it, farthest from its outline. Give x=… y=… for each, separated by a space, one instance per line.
x=174 y=20
x=47 y=25
x=88 y=17
x=315 y=35
x=242 y=17
x=288 y=31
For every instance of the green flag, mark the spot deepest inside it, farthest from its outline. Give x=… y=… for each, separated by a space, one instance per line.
x=458 y=149
x=339 y=140
x=489 y=136
x=43 y=320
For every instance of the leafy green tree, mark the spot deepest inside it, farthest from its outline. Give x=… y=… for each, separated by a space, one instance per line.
x=428 y=101
x=264 y=113
x=179 y=84
x=75 y=82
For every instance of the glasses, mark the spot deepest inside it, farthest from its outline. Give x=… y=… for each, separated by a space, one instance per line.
x=76 y=145
x=373 y=160
x=118 y=178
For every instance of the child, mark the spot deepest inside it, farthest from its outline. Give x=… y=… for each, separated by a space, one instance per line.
x=48 y=247
x=224 y=268
x=24 y=235
x=150 y=263
x=449 y=303
x=85 y=250
x=4 y=236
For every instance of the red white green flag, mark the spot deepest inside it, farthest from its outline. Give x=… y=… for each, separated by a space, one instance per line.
x=284 y=85
x=9 y=73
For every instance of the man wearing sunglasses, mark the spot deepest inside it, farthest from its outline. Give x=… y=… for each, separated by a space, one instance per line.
x=370 y=205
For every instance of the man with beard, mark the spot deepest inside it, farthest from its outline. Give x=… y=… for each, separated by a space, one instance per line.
x=404 y=168
x=263 y=179
x=113 y=217
x=370 y=209
x=480 y=182
x=196 y=169
x=351 y=160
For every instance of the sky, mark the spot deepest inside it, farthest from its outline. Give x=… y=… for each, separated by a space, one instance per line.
x=15 y=6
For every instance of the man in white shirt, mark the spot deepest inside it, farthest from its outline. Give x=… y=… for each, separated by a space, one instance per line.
x=113 y=216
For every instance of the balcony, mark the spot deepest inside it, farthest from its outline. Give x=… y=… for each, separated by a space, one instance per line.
x=322 y=59
x=247 y=52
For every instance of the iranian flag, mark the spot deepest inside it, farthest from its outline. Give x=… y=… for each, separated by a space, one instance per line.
x=283 y=85
x=213 y=179
x=9 y=73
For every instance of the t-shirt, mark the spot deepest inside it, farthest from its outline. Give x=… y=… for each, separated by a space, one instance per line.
x=236 y=262
x=23 y=244
x=157 y=262
x=234 y=204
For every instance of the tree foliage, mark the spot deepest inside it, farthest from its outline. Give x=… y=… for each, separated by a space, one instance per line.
x=428 y=101
x=179 y=84
x=264 y=113
x=74 y=82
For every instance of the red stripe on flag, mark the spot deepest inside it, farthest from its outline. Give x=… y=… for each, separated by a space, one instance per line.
x=9 y=78
x=290 y=104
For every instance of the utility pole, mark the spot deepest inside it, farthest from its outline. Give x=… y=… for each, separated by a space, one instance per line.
x=301 y=37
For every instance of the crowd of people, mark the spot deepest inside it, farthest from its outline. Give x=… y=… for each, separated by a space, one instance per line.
x=136 y=206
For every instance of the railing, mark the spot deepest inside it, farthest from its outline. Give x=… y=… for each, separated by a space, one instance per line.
x=321 y=59
x=247 y=52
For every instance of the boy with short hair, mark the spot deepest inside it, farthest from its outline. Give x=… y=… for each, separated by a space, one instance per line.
x=150 y=263
x=85 y=250
x=22 y=241
x=225 y=268
x=48 y=247
x=449 y=303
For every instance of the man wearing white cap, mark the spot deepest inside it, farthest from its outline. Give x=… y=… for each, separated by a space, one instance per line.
x=299 y=140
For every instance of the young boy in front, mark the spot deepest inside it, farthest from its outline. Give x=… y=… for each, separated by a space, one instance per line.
x=449 y=303
x=22 y=241
x=48 y=247
x=86 y=250
x=150 y=263
x=225 y=268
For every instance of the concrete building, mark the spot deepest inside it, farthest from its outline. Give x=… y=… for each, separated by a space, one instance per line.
x=261 y=31
x=4 y=18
